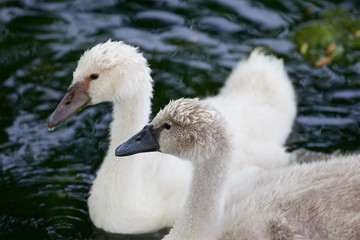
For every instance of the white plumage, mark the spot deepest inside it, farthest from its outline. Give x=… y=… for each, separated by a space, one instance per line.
x=144 y=193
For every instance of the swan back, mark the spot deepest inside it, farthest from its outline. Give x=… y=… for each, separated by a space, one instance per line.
x=318 y=200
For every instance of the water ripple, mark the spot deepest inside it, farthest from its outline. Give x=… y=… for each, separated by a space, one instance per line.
x=191 y=46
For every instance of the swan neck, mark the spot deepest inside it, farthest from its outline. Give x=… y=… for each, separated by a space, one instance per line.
x=205 y=201
x=129 y=116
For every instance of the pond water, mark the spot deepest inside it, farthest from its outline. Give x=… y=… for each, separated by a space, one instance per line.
x=191 y=47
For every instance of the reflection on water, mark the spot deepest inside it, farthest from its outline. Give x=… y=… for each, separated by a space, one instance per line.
x=191 y=46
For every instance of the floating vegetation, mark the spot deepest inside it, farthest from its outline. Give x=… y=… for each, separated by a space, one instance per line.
x=333 y=38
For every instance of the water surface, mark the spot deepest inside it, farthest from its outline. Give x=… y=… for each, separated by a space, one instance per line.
x=191 y=47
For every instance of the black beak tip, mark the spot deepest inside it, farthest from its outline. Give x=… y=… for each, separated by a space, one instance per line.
x=143 y=141
x=119 y=152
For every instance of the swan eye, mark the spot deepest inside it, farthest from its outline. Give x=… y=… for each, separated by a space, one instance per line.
x=94 y=76
x=167 y=126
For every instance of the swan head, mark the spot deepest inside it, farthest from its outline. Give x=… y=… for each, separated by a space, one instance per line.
x=187 y=128
x=108 y=72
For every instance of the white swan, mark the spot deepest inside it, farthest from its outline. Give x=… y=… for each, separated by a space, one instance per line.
x=145 y=193
x=310 y=201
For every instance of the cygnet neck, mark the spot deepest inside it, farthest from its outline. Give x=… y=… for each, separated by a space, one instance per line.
x=203 y=207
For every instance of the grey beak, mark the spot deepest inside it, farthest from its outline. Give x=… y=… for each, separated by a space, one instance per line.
x=144 y=141
x=74 y=100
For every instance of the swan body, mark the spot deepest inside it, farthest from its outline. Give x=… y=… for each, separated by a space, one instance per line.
x=144 y=193
x=265 y=110
x=318 y=200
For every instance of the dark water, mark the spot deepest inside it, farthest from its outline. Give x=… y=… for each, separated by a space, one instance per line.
x=191 y=46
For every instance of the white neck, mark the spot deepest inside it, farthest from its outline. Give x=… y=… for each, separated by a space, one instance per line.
x=129 y=116
x=203 y=207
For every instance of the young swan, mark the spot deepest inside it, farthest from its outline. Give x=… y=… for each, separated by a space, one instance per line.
x=311 y=201
x=191 y=129
x=144 y=193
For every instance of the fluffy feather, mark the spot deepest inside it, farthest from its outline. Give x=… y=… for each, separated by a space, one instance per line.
x=318 y=200
x=144 y=193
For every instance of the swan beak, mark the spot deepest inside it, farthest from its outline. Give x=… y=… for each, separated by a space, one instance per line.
x=144 y=141
x=74 y=100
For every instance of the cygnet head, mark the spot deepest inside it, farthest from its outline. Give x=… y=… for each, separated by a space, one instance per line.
x=187 y=128
x=108 y=72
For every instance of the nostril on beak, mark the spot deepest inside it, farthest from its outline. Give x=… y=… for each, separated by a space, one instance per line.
x=140 y=137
